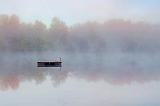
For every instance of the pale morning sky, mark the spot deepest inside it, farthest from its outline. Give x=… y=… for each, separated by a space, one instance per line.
x=77 y=11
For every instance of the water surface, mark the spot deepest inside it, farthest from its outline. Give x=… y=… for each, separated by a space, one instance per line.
x=84 y=80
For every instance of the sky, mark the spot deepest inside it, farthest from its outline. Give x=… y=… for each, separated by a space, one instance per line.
x=79 y=11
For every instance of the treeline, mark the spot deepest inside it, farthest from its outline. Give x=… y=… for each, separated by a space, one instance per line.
x=113 y=35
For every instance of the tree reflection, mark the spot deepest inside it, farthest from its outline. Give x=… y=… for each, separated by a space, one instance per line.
x=15 y=73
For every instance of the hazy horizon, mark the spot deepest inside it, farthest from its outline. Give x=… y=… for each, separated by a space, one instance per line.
x=111 y=36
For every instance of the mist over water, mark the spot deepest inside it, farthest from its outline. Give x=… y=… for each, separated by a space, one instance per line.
x=117 y=51
x=116 y=69
x=111 y=61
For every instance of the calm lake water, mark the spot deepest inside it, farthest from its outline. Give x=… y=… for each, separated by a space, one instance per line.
x=121 y=79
